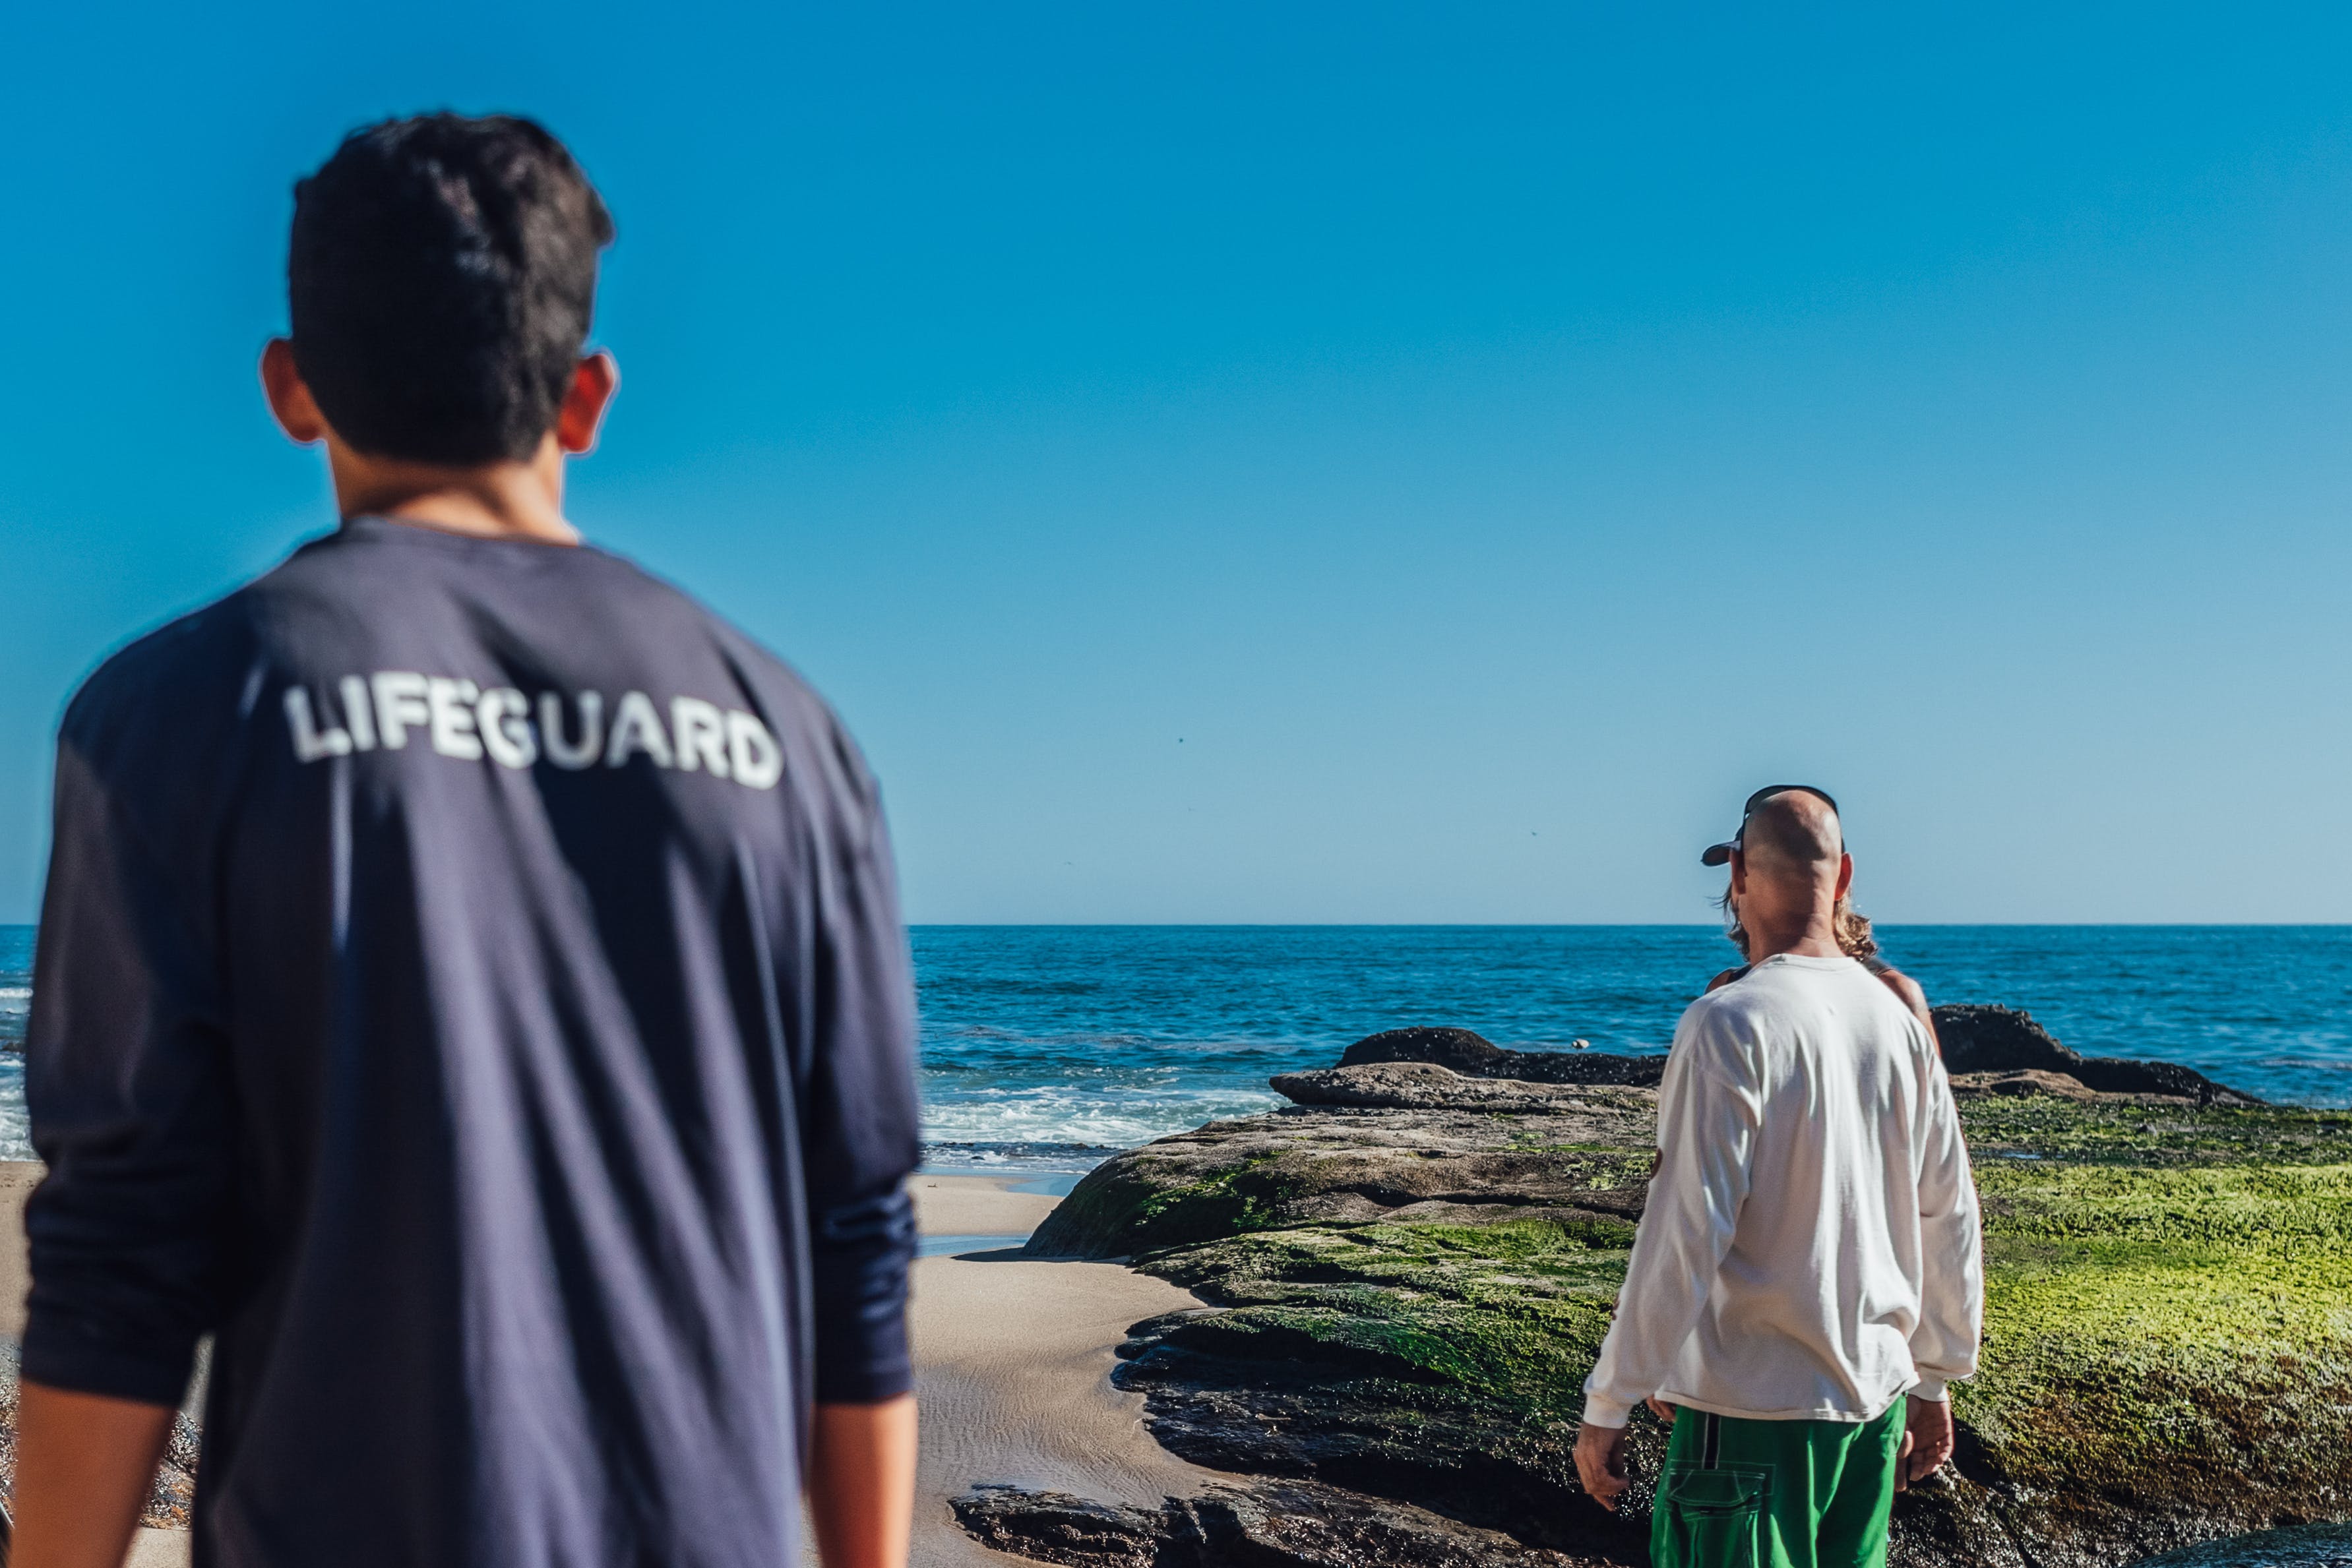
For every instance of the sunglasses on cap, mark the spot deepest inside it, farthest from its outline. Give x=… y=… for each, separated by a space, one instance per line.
x=1720 y=855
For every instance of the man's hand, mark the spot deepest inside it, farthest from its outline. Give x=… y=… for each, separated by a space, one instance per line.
x=1661 y=1409
x=1601 y=1463
x=1927 y=1442
x=84 y=1465
x=861 y=1483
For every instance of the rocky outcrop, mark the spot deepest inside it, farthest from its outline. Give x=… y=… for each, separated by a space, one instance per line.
x=1474 y=1056
x=1410 y=1271
x=1976 y=1038
x=1296 y=1524
x=1425 y=1086
x=1363 y=1360
x=2032 y=1080
x=1422 y=1086
x=1579 y=1156
x=1981 y=1039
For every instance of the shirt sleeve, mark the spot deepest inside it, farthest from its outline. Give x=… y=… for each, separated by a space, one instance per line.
x=861 y=1131
x=1706 y=1138
x=127 y=1082
x=1951 y=1294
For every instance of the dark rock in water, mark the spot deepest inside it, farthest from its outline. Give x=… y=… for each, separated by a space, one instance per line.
x=1976 y=1038
x=1982 y=1037
x=1294 y=1524
x=1474 y=1056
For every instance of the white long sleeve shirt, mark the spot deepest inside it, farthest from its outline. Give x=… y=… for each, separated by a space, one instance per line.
x=1811 y=1247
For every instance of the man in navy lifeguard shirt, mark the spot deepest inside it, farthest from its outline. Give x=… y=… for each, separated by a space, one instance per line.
x=470 y=988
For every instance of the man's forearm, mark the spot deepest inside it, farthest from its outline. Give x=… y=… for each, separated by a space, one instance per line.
x=861 y=1483
x=85 y=1464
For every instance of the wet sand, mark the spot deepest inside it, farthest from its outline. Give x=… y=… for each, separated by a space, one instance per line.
x=1012 y=1368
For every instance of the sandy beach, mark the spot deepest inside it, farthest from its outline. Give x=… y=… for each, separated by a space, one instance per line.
x=1012 y=1363
x=1013 y=1360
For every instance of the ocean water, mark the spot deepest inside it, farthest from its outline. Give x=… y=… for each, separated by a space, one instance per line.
x=2306 y=1546
x=1048 y=1047
x=16 y=1000
x=1050 y=1044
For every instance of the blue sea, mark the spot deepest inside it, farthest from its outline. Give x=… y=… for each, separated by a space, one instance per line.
x=1048 y=1047
x=1045 y=1045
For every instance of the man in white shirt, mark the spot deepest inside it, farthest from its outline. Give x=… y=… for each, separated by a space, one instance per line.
x=1808 y=1276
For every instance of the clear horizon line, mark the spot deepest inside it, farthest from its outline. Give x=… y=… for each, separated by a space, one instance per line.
x=1605 y=924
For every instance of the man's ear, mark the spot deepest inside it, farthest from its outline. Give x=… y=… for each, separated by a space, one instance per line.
x=290 y=402
x=1846 y=874
x=1738 y=873
x=595 y=380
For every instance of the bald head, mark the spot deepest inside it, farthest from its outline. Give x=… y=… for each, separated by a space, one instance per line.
x=1792 y=834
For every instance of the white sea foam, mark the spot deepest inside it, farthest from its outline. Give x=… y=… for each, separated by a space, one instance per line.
x=1046 y=1114
x=15 y=1129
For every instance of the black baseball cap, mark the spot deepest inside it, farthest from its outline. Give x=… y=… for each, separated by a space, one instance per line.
x=1720 y=855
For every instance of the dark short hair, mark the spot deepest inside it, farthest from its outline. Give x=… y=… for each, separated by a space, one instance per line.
x=441 y=277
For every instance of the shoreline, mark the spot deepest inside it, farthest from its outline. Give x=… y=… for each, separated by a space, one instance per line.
x=1013 y=1362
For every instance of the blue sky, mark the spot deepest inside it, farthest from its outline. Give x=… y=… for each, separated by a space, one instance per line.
x=1338 y=462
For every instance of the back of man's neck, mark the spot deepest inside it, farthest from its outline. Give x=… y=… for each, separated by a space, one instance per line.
x=508 y=500
x=1818 y=941
x=458 y=515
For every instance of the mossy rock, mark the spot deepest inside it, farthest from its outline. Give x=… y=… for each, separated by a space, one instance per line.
x=1122 y=1208
x=1584 y=1156
x=2167 y=1358
x=2169 y=1351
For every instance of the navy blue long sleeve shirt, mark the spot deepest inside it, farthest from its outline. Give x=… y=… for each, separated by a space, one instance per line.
x=471 y=987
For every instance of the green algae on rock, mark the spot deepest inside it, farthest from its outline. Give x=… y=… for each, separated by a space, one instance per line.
x=1437 y=1363
x=1406 y=1302
x=2169 y=1350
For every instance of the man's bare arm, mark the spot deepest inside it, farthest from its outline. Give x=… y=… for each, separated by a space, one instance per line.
x=861 y=1483
x=85 y=1464
x=1907 y=988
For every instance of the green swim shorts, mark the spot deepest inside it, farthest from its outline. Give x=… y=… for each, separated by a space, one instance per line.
x=1776 y=1494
